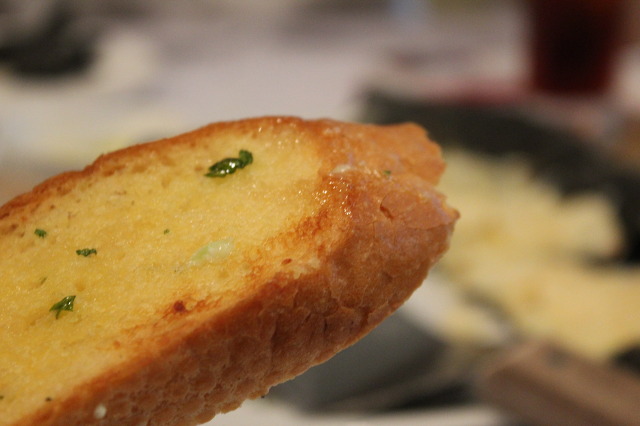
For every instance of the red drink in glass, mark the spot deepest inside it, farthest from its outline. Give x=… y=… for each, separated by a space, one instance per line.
x=574 y=45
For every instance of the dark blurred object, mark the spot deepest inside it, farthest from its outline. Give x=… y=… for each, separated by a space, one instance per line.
x=629 y=359
x=397 y=365
x=556 y=154
x=53 y=45
x=574 y=45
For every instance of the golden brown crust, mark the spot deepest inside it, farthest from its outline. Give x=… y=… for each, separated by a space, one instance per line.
x=381 y=229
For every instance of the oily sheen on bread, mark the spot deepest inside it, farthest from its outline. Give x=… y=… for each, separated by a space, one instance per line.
x=143 y=290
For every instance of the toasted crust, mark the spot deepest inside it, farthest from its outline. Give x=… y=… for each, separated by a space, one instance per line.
x=379 y=227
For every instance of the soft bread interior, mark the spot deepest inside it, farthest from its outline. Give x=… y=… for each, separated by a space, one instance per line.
x=167 y=238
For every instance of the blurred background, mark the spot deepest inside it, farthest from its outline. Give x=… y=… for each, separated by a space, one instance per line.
x=536 y=104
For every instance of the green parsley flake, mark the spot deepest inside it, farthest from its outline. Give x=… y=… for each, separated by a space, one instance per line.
x=40 y=233
x=86 y=252
x=166 y=231
x=66 y=304
x=228 y=166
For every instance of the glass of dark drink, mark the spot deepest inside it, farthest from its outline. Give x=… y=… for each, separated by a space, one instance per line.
x=574 y=45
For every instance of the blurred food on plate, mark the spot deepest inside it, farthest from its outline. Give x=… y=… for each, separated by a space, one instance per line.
x=542 y=259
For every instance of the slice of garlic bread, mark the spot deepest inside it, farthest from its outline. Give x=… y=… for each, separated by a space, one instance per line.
x=170 y=281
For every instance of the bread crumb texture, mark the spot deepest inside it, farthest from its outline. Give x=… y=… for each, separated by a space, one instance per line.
x=193 y=293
